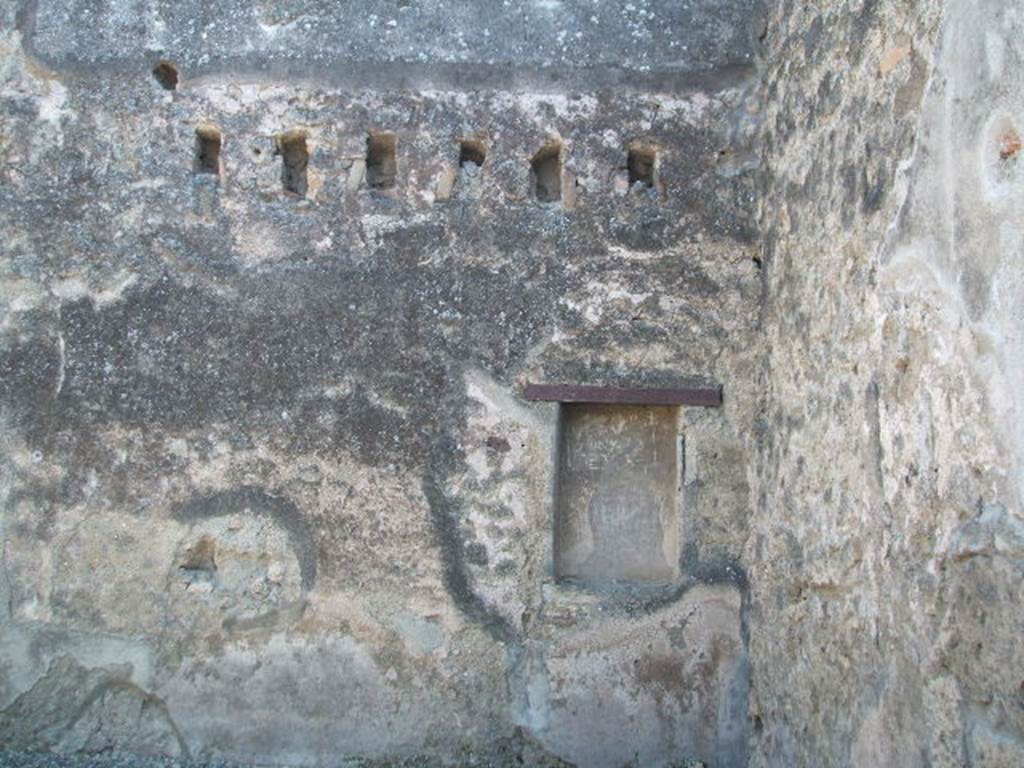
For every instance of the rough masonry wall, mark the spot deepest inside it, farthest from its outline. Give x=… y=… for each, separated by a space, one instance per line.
x=887 y=543
x=270 y=490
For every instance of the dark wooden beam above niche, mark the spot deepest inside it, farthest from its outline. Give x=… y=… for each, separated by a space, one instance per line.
x=709 y=397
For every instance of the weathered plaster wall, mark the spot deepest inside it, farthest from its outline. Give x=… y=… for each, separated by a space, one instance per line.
x=270 y=491
x=887 y=542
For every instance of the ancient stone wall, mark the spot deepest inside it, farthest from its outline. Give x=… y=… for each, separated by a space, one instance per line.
x=274 y=276
x=886 y=548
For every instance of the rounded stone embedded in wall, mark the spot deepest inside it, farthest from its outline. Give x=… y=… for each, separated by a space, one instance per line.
x=1001 y=155
x=1009 y=144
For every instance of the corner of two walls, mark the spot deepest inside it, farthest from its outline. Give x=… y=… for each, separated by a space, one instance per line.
x=886 y=542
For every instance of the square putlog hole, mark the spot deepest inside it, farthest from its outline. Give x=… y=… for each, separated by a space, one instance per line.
x=294 y=152
x=617 y=516
x=381 y=161
x=207 y=151
x=546 y=173
x=472 y=154
x=642 y=165
x=166 y=74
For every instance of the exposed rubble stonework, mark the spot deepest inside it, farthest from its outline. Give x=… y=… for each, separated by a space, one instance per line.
x=886 y=546
x=275 y=276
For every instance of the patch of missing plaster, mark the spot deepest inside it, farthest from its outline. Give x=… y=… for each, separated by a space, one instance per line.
x=497 y=397
x=75 y=709
x=71 y=289
x=258 y=242
x=910 y=95
x=274 y=15
x=201 y=557
x=19 y=295
x=892 y=59
x=52 y=105
x=422 y=635
x=994 y=532
x=249 y=500
x=467 y=573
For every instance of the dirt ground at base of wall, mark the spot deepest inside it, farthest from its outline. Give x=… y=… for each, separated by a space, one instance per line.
x=9 y=759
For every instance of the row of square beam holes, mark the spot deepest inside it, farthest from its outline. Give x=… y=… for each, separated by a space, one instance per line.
x=381 y=159
x=382 y=162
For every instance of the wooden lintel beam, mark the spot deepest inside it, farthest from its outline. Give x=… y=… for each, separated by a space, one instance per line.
x=571 y=393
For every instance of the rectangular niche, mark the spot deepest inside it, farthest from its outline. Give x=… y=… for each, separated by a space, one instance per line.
x=381 y=160
x=294 y=151
x=617 y=513
x=207 y=152
x=546 y=173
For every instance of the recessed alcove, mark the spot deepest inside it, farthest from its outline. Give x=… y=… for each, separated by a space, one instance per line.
x=381 y=161
x=642 y=165
x=472 y=154
x=294 y=151
x=166 y=74
x=617 y=514
x=546 y=173
x=207 y=150
x=617 y=507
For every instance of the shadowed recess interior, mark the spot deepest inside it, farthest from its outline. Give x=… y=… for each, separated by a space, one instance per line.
x=294 y=152
x=472 y=152
x=166 y=74
x=381 y=161
x=208 y=144
x=642 y=164
x=546 y=172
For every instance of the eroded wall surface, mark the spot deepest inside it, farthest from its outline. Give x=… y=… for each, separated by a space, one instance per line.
x=270 y=489
x=887 y=540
